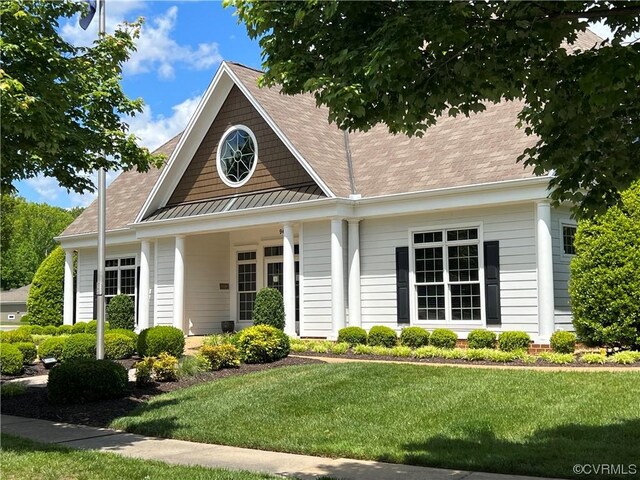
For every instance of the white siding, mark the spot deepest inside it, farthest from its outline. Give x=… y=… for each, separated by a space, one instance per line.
x=207 y=266
x=560 y=216
x=512 y=225
x=163 y=282
x=315 y=298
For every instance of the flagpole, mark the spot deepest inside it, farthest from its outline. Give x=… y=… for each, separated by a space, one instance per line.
x=102 y=217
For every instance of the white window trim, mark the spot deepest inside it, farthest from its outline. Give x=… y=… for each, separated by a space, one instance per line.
x=565 y=223
x=221 y=174
x=413 y=295
x=119 y=287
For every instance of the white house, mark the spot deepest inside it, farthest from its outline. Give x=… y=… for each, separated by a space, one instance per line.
x=355 y=229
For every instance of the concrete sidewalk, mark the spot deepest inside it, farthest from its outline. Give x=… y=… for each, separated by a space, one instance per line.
x=233 y=458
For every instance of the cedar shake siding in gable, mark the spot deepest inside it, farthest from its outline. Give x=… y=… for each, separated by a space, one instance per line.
x=277 y=168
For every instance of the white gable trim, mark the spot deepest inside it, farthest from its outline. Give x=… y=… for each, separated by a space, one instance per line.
x=197 y=128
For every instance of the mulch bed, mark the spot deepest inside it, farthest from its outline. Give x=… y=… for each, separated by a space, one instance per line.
x=517 y=363
x=34 y=403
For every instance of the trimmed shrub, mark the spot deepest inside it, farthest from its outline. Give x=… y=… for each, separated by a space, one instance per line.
x=414 y=337
x=514 y=340
x=118 y=346
x=481 y=339
x=165 y=368
x=78 y=327
x=221 y=356
x=443 y=338
x=268 y=308
x=129 y=333
x=563 y=341
x=262 y=344
x=79 y=347
x=11 y=359
x=46 y=296
x=121 y=312
x=15 y=336
x=33 y=329
x=25 y=318
x=382 y=336
x=92 y=327
x=50 y=330
x=144 y=371
x=604 y=285
x=87 y=380
x=65 y=330
x=155 y=340
x=352 y=336
x=29 y=351
x=52 y=347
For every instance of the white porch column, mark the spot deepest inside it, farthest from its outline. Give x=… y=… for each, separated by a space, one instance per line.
x=337 y=277
x=178 y=284
x=67 y=316
x=355 y=305
x=143 y=303
x=289 y=281
x=545 y=271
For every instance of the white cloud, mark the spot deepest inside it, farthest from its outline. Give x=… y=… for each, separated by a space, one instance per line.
x=49 y=190
x=156 y=50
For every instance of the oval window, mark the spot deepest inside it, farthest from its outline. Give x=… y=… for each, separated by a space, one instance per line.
x=237 y=156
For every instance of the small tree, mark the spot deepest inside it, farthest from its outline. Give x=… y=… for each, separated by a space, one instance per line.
x=121 y=312
x=269 y=308
x=605 y=275
x=46 y=297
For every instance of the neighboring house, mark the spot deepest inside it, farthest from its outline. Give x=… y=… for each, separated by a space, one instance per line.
x=13 y=304
x=364 y=229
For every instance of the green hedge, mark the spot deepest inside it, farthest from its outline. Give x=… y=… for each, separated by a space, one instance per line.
x=268 y=308
x=262 y=344
x=443 y=338
x=563 y=342
x=118 y=346
x=121 y=312
x=15 y=336
x=155 y=340
x=92 y=327
x=382 y=336
x=604 y=285
x=51 y=347
x=414 y=337
x=353 y=336
x=481 y=339
x=79 y=347
x=82 y=381
x=65 y=329
x=11 y=359
x=514 y=340
x=29 y=351
x=79 y=327
x=46 y=296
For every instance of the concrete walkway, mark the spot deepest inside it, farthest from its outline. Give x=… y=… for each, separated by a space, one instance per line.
x=189 y=453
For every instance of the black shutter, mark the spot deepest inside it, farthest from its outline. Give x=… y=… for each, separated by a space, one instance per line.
x=95 y=294
x=492 y=282
x=138 y=292
x=402 y=284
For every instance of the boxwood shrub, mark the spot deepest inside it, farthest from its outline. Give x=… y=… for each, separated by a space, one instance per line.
x=155 y=340
x=268 y=308
x=46 y=296
x=563 y=341
x=15 y=336
x=481 y=339
x=118 y=346
x=352 y=335
x=65 y=330
x=121 y=312
x=78 y=327
x=50 y=330
x=443 y=338
x=262 y=344
x=514 y=340
x=383 y=336
x=29 y=351
x=129 y=333
x=414 y=337
x=92 y=326
x=79 y=347
x=51 y=347
x=11 y=359
x=83 y=381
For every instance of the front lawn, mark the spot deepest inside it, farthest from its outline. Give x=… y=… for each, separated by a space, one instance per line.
x=23 y=459
x=524 y=422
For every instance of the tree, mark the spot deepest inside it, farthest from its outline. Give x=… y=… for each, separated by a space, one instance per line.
x=45 y=302
x=405 y=64
x=605 y=275
x=28 y=231
x=62 y=105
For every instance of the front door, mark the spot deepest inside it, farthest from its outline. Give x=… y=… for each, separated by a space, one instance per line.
x=273 y=270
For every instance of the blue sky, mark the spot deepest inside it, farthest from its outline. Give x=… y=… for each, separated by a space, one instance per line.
x=181 y=45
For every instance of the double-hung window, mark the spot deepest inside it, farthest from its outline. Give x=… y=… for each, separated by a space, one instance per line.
x=120 y=278
x=447 y=275
x=247 y=276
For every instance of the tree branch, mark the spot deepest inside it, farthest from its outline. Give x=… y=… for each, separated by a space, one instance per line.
x=598 y=13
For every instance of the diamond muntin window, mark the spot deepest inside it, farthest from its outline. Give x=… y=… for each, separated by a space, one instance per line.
x=237 y=156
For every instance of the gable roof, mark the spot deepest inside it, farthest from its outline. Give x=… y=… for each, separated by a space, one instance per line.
x=16 y=295
x=125 y=196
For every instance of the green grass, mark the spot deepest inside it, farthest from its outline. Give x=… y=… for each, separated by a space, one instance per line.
x=24 y=459
x=511 y=421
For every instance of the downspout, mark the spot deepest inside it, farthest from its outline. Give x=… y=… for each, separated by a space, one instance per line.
x=352 y=180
